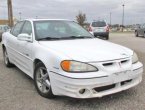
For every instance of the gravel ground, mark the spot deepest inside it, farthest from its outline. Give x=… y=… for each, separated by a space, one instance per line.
x=17 y=90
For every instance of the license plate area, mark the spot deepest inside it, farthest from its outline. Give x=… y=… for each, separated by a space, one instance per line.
x=121 y=76
x=99 y=30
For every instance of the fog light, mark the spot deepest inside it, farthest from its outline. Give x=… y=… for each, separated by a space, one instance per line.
x=82 y=91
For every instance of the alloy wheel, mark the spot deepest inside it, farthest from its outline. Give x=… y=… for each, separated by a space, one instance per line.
x=42 y=80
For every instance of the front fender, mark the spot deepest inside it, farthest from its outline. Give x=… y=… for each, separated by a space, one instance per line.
x=49 y=57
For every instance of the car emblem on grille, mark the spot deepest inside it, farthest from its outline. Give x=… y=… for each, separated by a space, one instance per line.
x=119 y=64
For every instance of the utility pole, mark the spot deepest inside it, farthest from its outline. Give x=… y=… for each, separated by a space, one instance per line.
x=110 y=18
x=10 y=13
x=123 y=17
x=20 y=16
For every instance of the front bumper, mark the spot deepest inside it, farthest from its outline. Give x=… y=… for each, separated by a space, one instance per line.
x=95 y=87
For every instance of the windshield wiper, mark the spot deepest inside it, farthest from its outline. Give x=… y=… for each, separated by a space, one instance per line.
x=77 y=37
x=48 y=38
x=61 y=38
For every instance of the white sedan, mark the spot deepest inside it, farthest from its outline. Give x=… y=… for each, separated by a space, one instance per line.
x=64 y=59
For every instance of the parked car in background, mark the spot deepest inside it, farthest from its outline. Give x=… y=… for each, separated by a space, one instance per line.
x=140 y=31
x=99 y=28
x=64 y=59
x=3 y=28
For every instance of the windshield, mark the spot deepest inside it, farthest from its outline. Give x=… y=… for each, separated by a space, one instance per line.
x=99 y=24
x=55 y=30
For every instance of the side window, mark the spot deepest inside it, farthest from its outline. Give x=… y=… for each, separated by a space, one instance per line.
x=16 y=30
x=27 y=28
x=144 y=26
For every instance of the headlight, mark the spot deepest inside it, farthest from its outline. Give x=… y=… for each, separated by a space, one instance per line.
x=75 y=66
x=134 y=58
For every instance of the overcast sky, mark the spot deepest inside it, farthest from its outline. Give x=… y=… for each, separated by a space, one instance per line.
x=68 y=9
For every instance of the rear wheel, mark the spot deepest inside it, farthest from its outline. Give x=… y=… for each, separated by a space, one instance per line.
x=6 y=58
x=144 y=34
x=42 y=81
x=136 y=33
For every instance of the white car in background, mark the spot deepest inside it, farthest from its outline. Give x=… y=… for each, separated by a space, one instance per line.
x=64 y=59
x=3 y=28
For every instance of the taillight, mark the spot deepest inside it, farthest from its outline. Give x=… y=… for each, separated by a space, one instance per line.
x=90 y=29
x=107 y=29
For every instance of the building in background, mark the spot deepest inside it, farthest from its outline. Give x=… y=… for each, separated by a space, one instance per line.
x=4 y=22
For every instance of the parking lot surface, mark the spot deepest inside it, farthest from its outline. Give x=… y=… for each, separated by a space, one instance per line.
x=17 y=91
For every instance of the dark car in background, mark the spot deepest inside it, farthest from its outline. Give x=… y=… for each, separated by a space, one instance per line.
x=140 y=31
x=3 y=28
x=99 y=28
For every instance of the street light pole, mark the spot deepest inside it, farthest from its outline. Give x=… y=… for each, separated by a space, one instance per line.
x=20 y=15
x=110 y=18
x=10 y=13
x=123 y=17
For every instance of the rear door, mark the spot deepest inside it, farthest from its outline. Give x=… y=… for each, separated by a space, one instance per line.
x=12 y=42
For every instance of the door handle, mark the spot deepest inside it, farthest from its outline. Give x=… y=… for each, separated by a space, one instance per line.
x=26 y=54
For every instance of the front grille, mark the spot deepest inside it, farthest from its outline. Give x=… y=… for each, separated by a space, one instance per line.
x=107 y=64
x=100 y=89
x=124 y=61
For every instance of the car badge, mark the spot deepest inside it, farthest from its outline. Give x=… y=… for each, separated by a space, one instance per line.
x=119 y=64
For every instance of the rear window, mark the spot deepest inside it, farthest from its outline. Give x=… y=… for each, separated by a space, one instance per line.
x=99 y=24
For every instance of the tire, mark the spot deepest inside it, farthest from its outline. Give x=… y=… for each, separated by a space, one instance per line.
x=6 y=58
x=144 y=34
x=136 y=33
x=42 y=81
x=107 y=37
x=0 y=37
x=95 y=36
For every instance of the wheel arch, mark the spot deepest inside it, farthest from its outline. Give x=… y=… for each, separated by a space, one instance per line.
x=3 y=46
x=35 y=62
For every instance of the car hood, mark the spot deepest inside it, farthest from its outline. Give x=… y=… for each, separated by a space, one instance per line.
x=88 y=50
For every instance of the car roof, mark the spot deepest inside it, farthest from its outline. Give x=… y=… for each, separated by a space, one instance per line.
x=47 y=19
x=99 y=21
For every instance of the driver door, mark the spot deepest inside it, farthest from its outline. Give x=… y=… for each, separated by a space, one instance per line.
x=25 y=49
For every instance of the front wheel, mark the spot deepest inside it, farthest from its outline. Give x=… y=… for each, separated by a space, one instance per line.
x=42 y=81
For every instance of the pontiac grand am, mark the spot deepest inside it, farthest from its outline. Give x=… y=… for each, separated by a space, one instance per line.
x=64 y=59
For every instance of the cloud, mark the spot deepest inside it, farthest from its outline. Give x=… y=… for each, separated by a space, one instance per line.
x=68 y=9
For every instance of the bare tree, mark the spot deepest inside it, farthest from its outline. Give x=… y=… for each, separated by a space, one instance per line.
x=81 y=18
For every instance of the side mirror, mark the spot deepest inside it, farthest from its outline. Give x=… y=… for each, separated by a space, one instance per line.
x=24 y=37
